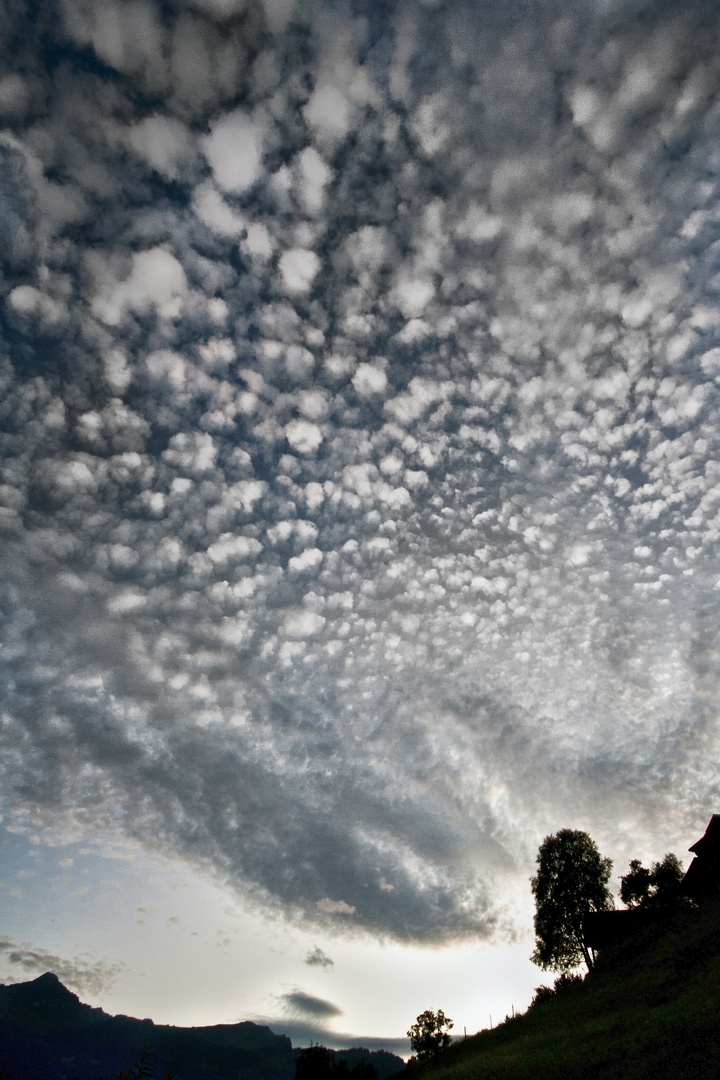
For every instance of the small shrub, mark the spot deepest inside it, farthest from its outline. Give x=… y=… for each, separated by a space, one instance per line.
x=562 y=983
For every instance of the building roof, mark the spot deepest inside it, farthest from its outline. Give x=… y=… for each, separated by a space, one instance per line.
x=710 y=841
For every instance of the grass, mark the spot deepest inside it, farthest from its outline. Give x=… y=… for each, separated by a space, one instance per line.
x=650 y=1011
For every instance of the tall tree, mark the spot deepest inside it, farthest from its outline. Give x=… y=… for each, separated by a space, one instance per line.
x=571 y=881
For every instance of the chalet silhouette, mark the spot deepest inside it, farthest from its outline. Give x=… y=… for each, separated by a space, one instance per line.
x=702 y=878
x=602 y=929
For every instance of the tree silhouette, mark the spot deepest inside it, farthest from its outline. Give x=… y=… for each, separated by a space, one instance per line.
x=657 y=888
x=429 y=1034
x=571 y=881
x=316 y=1062
x=635 y=886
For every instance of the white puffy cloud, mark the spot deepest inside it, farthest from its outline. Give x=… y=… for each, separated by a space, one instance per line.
x=413 y=294
x=432 y=124
x=369 y=379
x=328 y=111
x=258 y=240
x=156 y=279
x=308 y=559
x=228 y=548
x=302 y=624
x=191 y=452
x=303 y=435
x=313 y=176
x=214 y=212
x=299 y=268
x=234 y=150
x=27 y=300
x=419 y=396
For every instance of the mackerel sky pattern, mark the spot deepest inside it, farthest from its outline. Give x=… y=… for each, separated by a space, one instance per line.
x=360 y=482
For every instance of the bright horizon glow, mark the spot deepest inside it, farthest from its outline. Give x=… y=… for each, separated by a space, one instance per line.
x=178 y=948
x=153 y=923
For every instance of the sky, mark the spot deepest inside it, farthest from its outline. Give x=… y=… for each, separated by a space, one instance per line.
x=359 y=491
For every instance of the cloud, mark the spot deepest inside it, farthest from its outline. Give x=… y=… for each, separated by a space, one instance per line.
x=164 y=142
x=359 y=495
x=278 y=13
x=317 y=958
x=314 y=175
x=328 y=111
x=91 y=978
x=298 y=268
x=156 y=279
x=301 y=624
x=234 y=151
x=128 y=39
x=303 y=1032
x=303 y=436
x=369 y=379
x=214 y=212
x=335 y=907
x=298 y=1003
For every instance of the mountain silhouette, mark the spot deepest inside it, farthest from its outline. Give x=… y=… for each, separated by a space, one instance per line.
x=45 y=1005
x=47 y=1032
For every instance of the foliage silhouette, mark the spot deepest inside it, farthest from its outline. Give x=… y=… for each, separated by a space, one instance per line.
x=571 y=881
x=635 y=885
x=657 y=888
x=429 y=1034
x=316 y=1062
x=563 y=982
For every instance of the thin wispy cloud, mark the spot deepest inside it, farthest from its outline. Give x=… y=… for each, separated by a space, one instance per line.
x=359 y=485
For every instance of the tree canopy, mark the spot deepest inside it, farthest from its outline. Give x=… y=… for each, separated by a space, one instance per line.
x=658 y=887
x=571 y=881
x=429 y=1033
x=316 y=1062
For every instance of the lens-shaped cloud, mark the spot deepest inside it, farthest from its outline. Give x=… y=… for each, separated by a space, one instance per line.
x=298 y=1003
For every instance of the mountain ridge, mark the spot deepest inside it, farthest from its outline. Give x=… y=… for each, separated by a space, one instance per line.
x=47 y=1033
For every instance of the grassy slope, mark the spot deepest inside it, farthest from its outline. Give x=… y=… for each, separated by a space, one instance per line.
x=652 y=1011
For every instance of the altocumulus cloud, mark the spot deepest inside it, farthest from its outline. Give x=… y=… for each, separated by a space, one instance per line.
x=360 y=498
